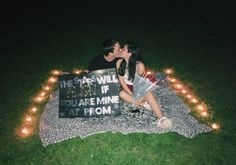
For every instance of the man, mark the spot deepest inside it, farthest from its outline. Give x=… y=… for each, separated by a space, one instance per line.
x=111 y=53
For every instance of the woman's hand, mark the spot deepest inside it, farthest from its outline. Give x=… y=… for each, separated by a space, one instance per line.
x=139 y=101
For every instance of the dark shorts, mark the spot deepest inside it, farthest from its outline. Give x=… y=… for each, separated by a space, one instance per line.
x=130 y=87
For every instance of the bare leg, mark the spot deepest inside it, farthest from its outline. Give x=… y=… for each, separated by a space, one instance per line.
x=126 y=97
x=150 y=98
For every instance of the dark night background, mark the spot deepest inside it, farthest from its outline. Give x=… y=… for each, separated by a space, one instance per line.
x=214 y=18
x=45 y=25
x=196 y=38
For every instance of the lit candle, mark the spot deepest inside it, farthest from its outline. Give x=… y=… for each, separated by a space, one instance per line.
x=77 y=71
x=194 y=100
x=47 y=88
x=56 y=72
x=39 y=99
x=184 y=91
x=200 y=107
x=189 y=96
x=173 y=80
x=34 y=109
x=205 y=114
x=215 y=126
x=168 y=71
x=24 y=131
x=178 y=86
x=52 y=79
x=42 y=94
x=28 y=118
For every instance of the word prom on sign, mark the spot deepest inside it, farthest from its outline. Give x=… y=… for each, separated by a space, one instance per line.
x=89 y=95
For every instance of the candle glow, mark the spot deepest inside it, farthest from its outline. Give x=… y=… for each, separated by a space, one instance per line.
x=47 y=88
x=168 y=71
x=52 y=79
x=200 y=107
x=189 y=96
x=56 y=72
x=173 y=80
x=34 y=109
x=28 y=118
x=178 y=86
x=24 y=131
x=215 y=126
x=39 y=99
x=184 y=91
x=42 y=94
x=205 y=114
x=194 y=100
x=77 y=71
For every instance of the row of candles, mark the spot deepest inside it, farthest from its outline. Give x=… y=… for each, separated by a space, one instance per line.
x=200 y=107
x=30 y=118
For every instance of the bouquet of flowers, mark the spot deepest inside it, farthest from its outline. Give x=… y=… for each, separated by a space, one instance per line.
x=144 y=84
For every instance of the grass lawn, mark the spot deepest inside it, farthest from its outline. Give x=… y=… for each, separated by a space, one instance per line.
x=195 y=50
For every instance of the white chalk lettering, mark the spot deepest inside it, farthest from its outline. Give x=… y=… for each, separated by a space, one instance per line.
x=104 y=89
x=108 y=100
x=65 y=84
x=107 y=79
x=97 y=111
x=77 y=103
x=73 y=112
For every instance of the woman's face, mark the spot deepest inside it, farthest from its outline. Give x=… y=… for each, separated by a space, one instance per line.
x=124 y=52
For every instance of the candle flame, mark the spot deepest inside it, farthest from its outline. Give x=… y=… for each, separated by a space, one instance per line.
x=200 y=107
x=168 y=71
x=47 y=88
x=77 y=71
x=215 y=126
x=56 y=72
x=28 y=118
x=42 y=94
x=24 y=131
x=34 y=109
x=173 y=80
x=205 y=114
x=184 y=91
x=189 y=96
x=194 y=100
x=52 y=79
x=39 y=99
x=178 y=86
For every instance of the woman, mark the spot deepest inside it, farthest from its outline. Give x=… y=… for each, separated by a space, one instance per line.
x=131 y=64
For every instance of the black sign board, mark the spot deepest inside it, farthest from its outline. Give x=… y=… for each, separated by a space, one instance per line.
x=94 y=94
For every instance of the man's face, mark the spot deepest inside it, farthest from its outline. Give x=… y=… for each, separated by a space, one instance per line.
x=117 y=50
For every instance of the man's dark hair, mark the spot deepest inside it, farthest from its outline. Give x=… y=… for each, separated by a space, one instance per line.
x=108 y=45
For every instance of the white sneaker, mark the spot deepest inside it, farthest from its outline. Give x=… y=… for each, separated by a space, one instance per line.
x=164 y=122
x=147 y=106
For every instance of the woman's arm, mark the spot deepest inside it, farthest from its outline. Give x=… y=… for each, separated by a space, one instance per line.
x=124 y=85
x=140 y=68
x=121 y=79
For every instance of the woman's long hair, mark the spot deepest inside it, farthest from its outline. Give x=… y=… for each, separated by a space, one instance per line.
x=133 y=60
